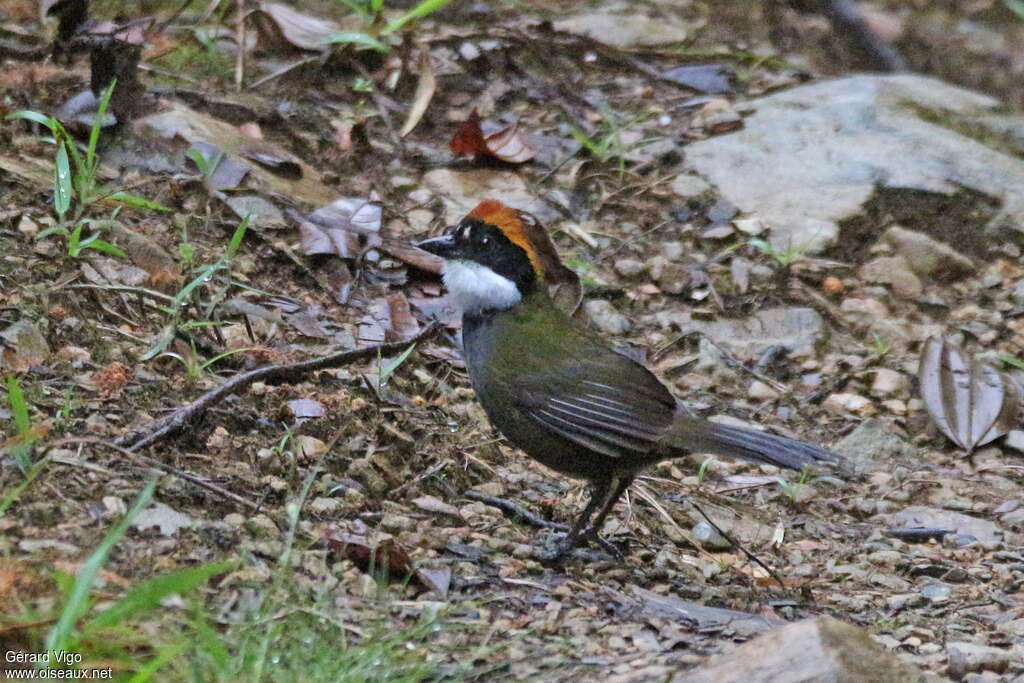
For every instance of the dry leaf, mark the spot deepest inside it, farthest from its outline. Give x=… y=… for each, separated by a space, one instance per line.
x=337 y=228
x=505 y=143
x=971 y=402
x=424 y=93
x=276 y=21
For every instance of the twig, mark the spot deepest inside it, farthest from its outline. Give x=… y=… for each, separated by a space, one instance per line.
x=737 y=546
x=187 y=413
x=514 y=509
x=283 y=70
x=170 y=469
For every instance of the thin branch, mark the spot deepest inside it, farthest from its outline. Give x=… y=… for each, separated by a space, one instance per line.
x=286 y=371
x=514 y=510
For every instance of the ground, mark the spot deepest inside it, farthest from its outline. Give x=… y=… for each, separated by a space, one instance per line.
x=315 y=525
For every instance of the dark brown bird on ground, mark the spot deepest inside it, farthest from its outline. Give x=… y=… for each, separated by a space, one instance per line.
x=555 y=388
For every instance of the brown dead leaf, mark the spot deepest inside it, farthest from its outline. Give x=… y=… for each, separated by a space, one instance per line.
x=112 y=378
x=971 y=402
x=276 y=23
x=338 y=227
x=403 y=323
x=505 y=143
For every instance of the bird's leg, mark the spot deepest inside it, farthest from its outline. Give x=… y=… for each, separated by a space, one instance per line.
x=598 y=492
x=603 y=496
x=618 y=487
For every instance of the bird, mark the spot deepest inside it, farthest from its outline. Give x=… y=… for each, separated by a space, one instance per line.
x=559 y=391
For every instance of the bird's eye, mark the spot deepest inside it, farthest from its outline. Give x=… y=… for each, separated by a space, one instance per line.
x=485 y=240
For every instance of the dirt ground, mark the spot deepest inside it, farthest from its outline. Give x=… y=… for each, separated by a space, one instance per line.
x=385 y=447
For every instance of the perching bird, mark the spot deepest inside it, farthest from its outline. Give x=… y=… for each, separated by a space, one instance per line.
x=555 y=388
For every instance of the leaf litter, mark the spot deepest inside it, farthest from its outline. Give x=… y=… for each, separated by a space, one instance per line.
x=397 y=455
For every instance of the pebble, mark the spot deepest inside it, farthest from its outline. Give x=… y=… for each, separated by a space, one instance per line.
x=965 y=657
x=629 y=267
x=888 y=382
x=759 y=391
x=605 y=318
x=841 y=403
x=1015 y=439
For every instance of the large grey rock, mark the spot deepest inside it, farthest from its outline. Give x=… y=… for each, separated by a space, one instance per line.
x=822 y=649
x=794 y=327
x=810 y=156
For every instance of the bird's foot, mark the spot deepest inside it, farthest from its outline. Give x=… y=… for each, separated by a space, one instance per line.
x=568 y=545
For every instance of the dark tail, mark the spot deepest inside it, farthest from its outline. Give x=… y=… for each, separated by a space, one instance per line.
x=698 y=435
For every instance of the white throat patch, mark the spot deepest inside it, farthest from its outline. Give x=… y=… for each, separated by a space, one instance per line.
x=477 y=288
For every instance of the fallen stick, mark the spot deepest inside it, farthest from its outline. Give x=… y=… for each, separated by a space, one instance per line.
x=185 y=414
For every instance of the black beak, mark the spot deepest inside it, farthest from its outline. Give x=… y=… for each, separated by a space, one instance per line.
x=443 y=246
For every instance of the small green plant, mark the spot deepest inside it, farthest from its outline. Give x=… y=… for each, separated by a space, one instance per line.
x=176 y=309
x=384 y=371
x=26 y=435
x=608 y=144
x=879 y=346
x=784 y=258
x=76 y=185
x=704 y=469
x=1012 y=360
x=792 y=489
x=369 y=12
x=206 y=166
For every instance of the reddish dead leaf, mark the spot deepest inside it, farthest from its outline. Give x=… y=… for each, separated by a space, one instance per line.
x=505 y=143
x=112 y=378
x=403 y=323
x=383 y=557
x=412 y=255
x=971 y=402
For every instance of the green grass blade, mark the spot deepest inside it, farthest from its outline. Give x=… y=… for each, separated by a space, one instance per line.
x=139 y=202
x=19 y=406
x=355 y=38
x=420 y=10
x=94 y=133
x=61 y=635
x=146 y=595
x=30 y=475
x=62 y=181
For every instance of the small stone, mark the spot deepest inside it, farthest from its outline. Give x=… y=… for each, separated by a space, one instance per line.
x=234 y=519
x=605 y=318
x=839 y=404
x=27 y=226
x=1015 y=439
x=628 y=267
x=888 y=382
x=687 y=186
x=936 y=592
x=322 y=505
x=895 y=406
x=966 y=657
x=895 y=272
x=366 y=586
x=397 y=523
x=673 y=250
x=759 y=391
x=885 y=557
x=1018 y=293
x=927 y=256
x=870 y=309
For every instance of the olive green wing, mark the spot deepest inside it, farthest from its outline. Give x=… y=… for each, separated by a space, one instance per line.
x=600 y=400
